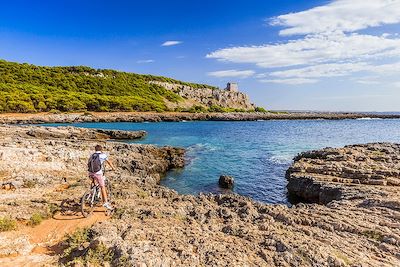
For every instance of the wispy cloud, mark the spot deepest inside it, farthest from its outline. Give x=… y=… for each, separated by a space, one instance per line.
x=311 y=50
x=337 y=70
x=171 y=43
x=328 y=44
x=294 y=81
x=232 y=73
x=145 y=61
x=340 y=15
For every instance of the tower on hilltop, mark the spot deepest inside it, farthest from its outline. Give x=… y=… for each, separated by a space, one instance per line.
x=232 y=87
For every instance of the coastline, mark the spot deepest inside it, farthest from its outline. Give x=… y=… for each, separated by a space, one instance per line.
x=154 y=225
x=38 y=118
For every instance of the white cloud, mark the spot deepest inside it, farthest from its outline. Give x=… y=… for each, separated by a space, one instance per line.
x=367 y=82
x=171 y=43
x=322 y=70
x=232 y=73
x=311 y=50
x=144 y=61
x=330 y=47
x=294 y=81
x=340 y=15
x=337 y=70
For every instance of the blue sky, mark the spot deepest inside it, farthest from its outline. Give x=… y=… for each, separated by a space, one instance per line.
x=310 y=55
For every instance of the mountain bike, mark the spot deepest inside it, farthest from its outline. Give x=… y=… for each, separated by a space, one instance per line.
x=92 y=198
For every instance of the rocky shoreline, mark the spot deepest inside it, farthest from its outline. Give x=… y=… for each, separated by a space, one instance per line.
x=180 y=116
x=358 y=225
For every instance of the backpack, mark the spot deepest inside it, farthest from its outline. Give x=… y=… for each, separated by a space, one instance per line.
x=94 y=163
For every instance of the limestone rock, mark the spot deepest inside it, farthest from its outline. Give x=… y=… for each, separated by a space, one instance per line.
x=209 y=97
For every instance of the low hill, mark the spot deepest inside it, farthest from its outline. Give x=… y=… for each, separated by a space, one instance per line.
x=30 y=88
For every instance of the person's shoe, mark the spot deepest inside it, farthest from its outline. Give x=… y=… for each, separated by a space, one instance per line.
x=108 y=206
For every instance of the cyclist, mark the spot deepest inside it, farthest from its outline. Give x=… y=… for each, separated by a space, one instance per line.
x=96 y=166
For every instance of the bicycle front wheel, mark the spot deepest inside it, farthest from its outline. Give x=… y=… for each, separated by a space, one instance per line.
x=87 y=204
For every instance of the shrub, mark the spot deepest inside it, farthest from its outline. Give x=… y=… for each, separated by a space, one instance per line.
x=54 y=111
x=260 y=109
x=373 y=235
x=7 y=224
x=215 y=108
x=52 y=209
x=197 y=109
x=79 y=249
x=35 y=219
x=87 y=114
x=29 y=183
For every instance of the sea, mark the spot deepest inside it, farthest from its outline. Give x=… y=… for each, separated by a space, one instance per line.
x=256 y=153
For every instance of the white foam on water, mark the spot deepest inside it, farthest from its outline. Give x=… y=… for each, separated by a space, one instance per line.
x=281 y=159
x=368 y=118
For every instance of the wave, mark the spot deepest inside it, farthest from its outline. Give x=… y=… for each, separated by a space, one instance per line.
x=368 y=118
x=281 y=159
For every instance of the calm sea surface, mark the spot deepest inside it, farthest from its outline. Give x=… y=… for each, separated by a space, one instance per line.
x=256 y=153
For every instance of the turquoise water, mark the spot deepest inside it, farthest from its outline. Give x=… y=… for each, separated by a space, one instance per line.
x=256 y=153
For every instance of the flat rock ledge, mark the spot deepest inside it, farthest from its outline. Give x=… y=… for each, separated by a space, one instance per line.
x=69 y=132
x=352 y=172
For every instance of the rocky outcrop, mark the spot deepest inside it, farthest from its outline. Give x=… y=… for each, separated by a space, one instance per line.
x=345 y=173
x=155 y=226
x=226 y=181
x=72 y=133
x=209 y=97
x=230 y=230
x=179 y=116
x=31 y=165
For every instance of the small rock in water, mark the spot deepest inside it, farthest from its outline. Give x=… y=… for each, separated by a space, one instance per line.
x=226 y=181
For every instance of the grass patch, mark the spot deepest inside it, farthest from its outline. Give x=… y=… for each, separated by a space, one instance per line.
x=373 y=235
x=343 y=257
x=52 y=209
x=7 y=224
x=30 y=183
x=36 y=219
x=142 y=194
x=180 y=217
x=81 y=251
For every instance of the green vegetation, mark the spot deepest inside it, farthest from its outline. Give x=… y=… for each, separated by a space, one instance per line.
x=260 y=109
x=30 y=88
x=29 y=183
x=36 y=219
x=371 y=234
x=82 y=250
x=26 y=88
x=7 y=224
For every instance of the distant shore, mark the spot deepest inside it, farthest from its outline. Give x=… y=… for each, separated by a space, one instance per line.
x=38 y=118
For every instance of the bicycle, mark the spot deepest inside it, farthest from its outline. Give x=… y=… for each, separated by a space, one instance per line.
x=92 y=198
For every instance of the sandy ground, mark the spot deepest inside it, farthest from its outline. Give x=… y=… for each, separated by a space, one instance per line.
x=46 y=238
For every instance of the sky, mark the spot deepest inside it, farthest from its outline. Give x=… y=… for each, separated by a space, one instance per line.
x=338 y=55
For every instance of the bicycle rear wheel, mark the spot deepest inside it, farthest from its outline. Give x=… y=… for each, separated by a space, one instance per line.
x=87 y=203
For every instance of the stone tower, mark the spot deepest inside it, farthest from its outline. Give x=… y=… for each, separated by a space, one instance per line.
x=232 y=87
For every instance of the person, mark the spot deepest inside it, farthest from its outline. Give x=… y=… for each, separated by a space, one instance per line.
x=96 y=166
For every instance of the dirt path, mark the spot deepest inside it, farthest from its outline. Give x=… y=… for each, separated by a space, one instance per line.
x=37 y=246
